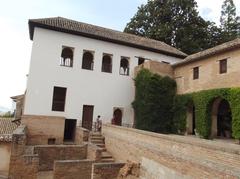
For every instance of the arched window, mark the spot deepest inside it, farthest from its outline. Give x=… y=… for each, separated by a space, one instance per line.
x=107 y=63
x=124 y=66
x=66 y=57
x=87 y=60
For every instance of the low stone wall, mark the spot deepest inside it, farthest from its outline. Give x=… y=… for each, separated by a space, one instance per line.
x=42 y=128
x=161 y=68
x=49 y=153
x=94 y=152
x=81 y=135
x=173 y=155
x=22 y=166
x=71 y=169
x=106 y=170
x=5 y=151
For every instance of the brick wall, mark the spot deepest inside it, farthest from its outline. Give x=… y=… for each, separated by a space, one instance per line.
x=22 y=166
x=41 y=128
x=71 y=169
x=160 y=68
x=81 y=135
x=106 y=170
x=49 y=153
x=187 y=157
x=94 y=152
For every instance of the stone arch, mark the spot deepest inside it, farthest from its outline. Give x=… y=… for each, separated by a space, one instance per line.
x=67 y=57
x=124 y=66
x=107 y=63
x=117 y=117
x=221 y=118
x=87 y=60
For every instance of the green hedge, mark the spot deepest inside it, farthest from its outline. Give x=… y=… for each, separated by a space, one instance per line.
x=153 y=102
x=203 y=102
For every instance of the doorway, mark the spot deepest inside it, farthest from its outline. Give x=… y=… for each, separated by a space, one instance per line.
x=117 y=117
x=87 y=117
x=191 y=120
x=69 y=129
x=224 y=120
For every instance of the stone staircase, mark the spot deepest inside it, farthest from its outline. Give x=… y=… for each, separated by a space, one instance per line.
x=98 y=139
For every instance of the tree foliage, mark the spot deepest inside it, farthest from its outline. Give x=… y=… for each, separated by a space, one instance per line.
x=175 y=22
x=230 y=22
x=153 y=102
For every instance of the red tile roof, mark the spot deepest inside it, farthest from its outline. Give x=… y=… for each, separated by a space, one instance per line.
x=6 y=129
x=87 y=30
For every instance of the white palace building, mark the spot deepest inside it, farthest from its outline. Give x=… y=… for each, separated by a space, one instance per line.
x=79 y=71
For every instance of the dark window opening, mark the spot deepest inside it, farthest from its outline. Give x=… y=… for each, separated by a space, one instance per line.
x=51 y=141
x=223 y=66
x=59 y=97
x=87 y=60
x=195 y=73
x=141 y=60
x=107 y=63
x=70 y=129
x=66 y=57
x=124 y=66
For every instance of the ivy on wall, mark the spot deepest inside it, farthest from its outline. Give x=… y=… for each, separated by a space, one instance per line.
x=153 y=102
x=203 y=102
x=158 y=108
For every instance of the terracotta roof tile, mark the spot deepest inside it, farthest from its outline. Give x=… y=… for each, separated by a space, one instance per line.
x=92 y=31
x=210 y=52
x=6 y=129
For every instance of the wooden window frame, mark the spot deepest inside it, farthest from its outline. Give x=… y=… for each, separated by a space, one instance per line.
x=223 y=66
x=195 y=73
x=58 y=104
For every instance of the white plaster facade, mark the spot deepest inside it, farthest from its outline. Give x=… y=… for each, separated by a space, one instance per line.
x=105 y=91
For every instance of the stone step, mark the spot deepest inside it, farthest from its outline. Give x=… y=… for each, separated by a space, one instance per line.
x=97 y=142
x=106 y=155
x=101 y=145
x=103 y=149
x=108 y=160
x=96 y=138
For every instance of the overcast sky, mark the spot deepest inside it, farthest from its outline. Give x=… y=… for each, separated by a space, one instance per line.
x=15 y=45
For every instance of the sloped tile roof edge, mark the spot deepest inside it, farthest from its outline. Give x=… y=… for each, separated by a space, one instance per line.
x=91 y=31
x=6 y=129
x=210 y=52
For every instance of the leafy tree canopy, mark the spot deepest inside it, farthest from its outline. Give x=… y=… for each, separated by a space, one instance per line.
x=230 y=22
x=177 y=23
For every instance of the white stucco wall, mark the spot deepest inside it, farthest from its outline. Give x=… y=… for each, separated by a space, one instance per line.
x=84 y=87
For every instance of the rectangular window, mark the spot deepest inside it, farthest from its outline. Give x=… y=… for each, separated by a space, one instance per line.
x=195 y=73
x=59 y=97
x=223 y=66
